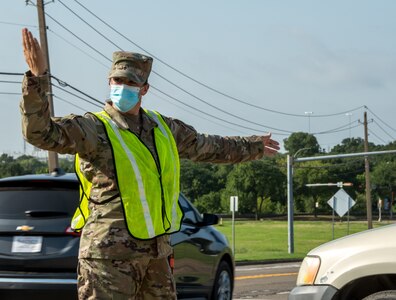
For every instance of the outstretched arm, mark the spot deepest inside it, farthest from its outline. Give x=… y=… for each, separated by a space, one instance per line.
x=217 y=149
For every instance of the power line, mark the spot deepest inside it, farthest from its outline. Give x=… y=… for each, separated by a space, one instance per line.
x=324 y=132
x=191 y=112
x=18 y=24
x=66 y=91
x=61 y=83
x=90 y=26
x=170 y=82
x=11 y=73
x=377 y=136
x=77 y=37
x=192 y=95
x=206 y=113
x=191 y=78
x=72 y=104
x=9 y=93
x=392 y=138
x=10 y=81
x=184 y=90
x=78 y=48
x=65 y=84
x=380 y=119
x=68 y=85
x=337 y=129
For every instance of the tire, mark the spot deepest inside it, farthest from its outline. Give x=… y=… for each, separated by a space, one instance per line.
x=223 y=285
x=384 y=295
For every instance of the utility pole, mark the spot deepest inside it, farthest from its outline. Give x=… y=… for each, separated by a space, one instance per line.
x=367 y=175
x=53 y=161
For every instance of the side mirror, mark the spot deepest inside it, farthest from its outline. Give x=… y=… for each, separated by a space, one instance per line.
x=209 y=219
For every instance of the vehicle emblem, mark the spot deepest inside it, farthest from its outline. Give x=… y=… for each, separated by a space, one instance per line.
x=24 y=228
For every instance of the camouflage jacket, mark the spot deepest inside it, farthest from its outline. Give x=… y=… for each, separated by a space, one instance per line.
x=105 y=235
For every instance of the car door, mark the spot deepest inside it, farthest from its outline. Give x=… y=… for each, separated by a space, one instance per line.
x=194 y=253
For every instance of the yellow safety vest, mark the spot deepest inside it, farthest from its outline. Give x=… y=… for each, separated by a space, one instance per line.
x=149 y=193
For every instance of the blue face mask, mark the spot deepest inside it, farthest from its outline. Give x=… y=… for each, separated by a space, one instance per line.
x=124 y=97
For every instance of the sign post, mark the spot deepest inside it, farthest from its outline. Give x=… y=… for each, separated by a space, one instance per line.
x=341 y=203
x=233 y=208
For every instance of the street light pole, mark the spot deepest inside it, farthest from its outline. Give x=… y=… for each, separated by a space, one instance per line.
x=309 y=113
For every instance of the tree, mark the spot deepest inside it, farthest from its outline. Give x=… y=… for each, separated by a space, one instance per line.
x=302 y=140
x=26 y=164
x=256 y=180
x=9 y=167
x=309 y=173
x=349 y=145
x=197 y=179
x=210 y=202
x=384 y=177
x=31 y=165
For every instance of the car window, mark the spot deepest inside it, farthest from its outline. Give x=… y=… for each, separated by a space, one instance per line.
x=191 y=214
x=14 y=203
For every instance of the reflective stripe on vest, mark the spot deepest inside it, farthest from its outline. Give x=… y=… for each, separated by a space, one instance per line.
x=145 y=193
x=176 y=166
x=82 y=212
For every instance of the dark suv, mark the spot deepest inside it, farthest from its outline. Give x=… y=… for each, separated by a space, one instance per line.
x=38 y=250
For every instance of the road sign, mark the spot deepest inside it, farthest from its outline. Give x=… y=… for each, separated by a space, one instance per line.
x=234 y=203
x=341 y=202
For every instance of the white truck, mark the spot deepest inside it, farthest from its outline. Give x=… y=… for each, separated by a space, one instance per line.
x=355 y=267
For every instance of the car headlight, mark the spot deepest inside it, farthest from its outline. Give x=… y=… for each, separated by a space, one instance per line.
x=308 y=270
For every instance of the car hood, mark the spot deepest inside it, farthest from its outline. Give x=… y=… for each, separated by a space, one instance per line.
x=372 y=238
x=358 y=255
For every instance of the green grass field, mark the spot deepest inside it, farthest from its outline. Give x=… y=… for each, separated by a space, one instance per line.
x=267 y=240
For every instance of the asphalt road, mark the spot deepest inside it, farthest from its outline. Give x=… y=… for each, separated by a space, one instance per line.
x=265 y=281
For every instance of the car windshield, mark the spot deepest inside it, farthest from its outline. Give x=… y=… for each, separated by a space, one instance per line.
x=17 y=203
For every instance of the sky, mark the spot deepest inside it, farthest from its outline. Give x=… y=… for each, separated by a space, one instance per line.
x=226 y=67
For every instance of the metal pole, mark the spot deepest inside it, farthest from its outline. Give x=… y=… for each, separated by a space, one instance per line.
x=233 y=227
x=290 y=204
x=309 y=113
x=334 y=208
x=349 y=207
x=321 y=157
x=367 y=175
x=52 y=156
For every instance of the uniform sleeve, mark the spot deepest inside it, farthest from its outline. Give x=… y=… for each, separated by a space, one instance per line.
x=71 y=134
x=214 y=148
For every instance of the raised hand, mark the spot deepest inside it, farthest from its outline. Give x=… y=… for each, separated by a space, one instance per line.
x=34 y=56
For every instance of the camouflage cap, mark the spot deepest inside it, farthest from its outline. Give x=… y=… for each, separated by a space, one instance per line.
x=134 y=66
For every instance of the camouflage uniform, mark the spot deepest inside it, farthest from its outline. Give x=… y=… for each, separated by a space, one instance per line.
x=113 y=264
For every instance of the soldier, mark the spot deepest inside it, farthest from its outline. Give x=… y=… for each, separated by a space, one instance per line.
x=127 y=160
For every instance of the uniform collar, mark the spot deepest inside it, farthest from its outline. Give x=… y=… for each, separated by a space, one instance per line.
x=121 y=120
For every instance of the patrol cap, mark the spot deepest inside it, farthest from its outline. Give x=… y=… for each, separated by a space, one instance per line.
x=134 y=66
